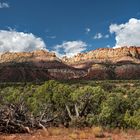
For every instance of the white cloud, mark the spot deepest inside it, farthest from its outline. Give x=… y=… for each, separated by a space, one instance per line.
x=98 y=36
x=51 y=37
x=70 y=48
x=127 y=34
x=14 y=41
x=106 y=36
x=87 y=30
x=4 y=5
x=108 y=46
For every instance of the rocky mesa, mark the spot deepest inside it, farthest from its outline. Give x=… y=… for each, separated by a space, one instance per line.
x=36 y=66
x=108 y=63
x=102 y=55
x=41 y=65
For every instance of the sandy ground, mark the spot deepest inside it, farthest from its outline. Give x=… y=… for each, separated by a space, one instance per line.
x=72 y=134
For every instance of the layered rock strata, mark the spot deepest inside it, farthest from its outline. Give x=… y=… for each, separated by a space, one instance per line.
x=41 y=65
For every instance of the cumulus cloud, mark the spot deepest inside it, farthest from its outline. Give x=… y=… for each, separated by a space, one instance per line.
x=127 y=34
x=98 y=36
x=87 y=30
x=14 y=41
x=4 y=5
x=70 y=48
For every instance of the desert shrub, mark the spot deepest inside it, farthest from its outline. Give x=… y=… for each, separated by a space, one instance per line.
x=92 y=120
x=107 y=86
x=132 y=121
x=79 y=104
x=113 y=109
x=78 y=122
x=119 y=89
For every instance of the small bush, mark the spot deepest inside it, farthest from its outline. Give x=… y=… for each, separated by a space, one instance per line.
x=98 y=132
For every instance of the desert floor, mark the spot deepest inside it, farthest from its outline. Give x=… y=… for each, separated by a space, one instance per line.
x=73 y=134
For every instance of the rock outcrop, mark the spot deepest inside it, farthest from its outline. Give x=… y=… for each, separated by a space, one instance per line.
x=108 y=63
x=41 y=65
x=104 y=55
x=40 y=55
x=38 y=65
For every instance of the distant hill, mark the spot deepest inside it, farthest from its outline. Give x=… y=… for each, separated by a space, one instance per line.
x=41 y=65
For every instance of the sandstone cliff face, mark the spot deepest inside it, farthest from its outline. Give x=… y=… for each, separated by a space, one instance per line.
x=108 y=63
x=22 y=74
x=35 y=66
x=41 y=65
x=104 y=55
x=129 y=71
x=97 y=71
x=34 y=56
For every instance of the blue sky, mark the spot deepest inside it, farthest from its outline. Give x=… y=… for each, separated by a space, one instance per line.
x=56 y=21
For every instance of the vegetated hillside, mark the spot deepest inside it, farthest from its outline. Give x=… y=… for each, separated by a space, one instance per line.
x=100 y=64
x=114 y=104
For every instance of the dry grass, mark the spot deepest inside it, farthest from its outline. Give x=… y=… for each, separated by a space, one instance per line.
x=95 y=133
x=98 y=132
x=55 y=131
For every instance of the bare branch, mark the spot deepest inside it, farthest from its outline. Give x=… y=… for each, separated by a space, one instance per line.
x=69 y=113
x=76 y=110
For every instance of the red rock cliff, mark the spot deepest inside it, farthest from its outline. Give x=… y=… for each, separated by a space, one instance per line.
x=104 y=55
x=41 y=65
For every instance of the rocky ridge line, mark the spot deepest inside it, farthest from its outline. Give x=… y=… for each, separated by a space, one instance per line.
x=41 y=65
